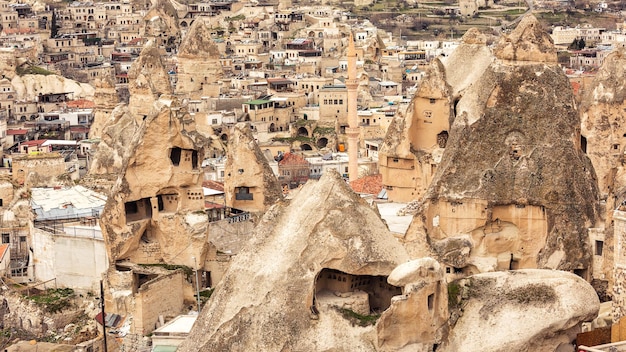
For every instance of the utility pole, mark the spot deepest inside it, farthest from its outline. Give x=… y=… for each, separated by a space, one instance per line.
x=104 y=328
x=195 y=268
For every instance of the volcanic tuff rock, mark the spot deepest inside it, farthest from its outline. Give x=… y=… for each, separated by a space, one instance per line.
x=514 y=154
x=28 y=87
x=528 y=42
x=247 y=169
x=105 y=99
x=604 y=124
x=198 y=60
x=264 y=300
x=155 y=162
x=523 y=310
x=147 y=80
x=468 y=61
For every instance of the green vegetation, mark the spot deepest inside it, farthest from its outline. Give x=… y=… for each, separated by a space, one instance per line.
x=358 y=319
x=205 y=295
x=454 y=294
x=54 y=300
x=324 y=130
x=187 y=270
x=33 y=70
x=293 y=139
x=235 y=18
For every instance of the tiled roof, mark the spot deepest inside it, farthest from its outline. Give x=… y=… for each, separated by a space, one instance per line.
x=4 y=248
x=81 y=103
x=218 y=186
x=292 y=159
x=372 y=184
x=17 y=132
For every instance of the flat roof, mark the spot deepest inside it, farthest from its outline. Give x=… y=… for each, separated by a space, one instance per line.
x=257 y=102
x=180 y=324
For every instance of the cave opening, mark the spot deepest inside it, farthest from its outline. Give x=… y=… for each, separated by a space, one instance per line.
x=372 y=294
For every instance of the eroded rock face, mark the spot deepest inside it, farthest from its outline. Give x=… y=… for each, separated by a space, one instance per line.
x=513 y=176
x=527 y=43
x=603 y=123
x=264 y=302
x=414 y=143
x=150 y=216
x=105 y=99
x=418 y=319
x=524 y=310
x=249 y=182
x=198 y=60
x=147 y=80
x=467 y=62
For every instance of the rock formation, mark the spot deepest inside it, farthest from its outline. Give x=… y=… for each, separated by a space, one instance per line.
x=155 y=212
x=467 y=62
x=105 y=99
x=603 y=138
x=524 y=310
x=161 y=24
x=513 y=176
x=198 y=62
x=147 y=80
x=249 y=182
x=28 y=87
x=418 y=319
x=325 y=245
x=414 y=143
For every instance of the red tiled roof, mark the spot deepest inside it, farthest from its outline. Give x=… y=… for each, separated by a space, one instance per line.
x=211 y=205
x=4 y=248
x=32 y=143
x=372 y=184
x=81 y=104
x=79 y=129
x=17 y=132
x=18 y=30
x=135 y=41
x=292 y=159
x=218 y=186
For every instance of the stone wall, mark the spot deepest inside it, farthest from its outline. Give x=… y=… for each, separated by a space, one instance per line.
x=619 y=271
x=40 y=170
x=161 y=296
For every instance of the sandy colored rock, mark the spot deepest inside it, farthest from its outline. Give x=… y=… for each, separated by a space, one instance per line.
x=528 y=42
x=198 y=60
x=468 y=61
x=525 y=310
x=417 y=320
x=513 y=176
x=249 y=182
x=28 y=87
x=264 y=301
x=147 y=80
x=105 y=100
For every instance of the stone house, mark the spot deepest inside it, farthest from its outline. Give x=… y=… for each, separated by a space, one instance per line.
x=293 y=170
x=333 y=104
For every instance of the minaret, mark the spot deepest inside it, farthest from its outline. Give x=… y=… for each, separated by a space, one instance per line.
x=353 y=123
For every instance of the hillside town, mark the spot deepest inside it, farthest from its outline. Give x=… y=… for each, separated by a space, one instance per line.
x=377 y=175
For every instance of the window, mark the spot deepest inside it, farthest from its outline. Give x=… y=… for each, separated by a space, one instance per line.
x=243 y=193
x=6 y=238
x=432 y=101
x=214 y=122
x=599 y=247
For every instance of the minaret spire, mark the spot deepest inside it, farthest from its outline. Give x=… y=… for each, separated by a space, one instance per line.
x=352 y=131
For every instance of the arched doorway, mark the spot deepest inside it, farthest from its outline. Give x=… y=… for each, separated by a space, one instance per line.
x=305 y=146
x=322 y=142
x=302 y=131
